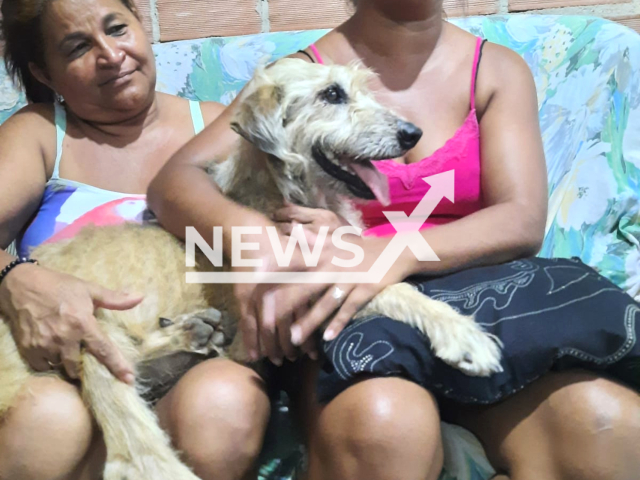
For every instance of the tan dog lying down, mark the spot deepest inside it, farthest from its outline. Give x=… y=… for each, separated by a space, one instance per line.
x=309 y=132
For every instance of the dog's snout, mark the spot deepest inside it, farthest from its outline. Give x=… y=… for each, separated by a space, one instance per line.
x=408 y=134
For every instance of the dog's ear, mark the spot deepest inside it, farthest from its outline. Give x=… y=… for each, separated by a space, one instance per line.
x=257 y=118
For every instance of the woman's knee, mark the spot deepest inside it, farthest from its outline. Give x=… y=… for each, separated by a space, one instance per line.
x=571 y=425
x=377 y=426
x=217 y=415
x=594 y=424
x=49 y=422
x=380 y=410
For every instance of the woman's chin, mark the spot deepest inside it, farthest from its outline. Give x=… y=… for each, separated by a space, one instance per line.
x=131 y=99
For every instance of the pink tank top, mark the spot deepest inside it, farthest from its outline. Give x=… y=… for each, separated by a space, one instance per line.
x=461 y=153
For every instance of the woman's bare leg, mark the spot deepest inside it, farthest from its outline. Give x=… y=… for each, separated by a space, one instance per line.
x=217 y=416
x=378 y=429
x=48 y=434
x=565 y=426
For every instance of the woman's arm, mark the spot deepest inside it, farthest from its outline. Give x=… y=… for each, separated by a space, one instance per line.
x=22 y=170
x=22 y=173
x=514 y=174
x=182 y=194
x=50 y=313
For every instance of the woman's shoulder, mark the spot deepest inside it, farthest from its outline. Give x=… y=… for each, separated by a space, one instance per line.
x=309 y=53
x=210 y=110
x=32 y=125
x=500 y=69
x=28 y=151
x=302 y=55
x=495 y=61
x=499 y=61
x=38 y=115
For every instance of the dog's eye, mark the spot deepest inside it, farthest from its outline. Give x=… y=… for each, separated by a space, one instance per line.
x=334 y=95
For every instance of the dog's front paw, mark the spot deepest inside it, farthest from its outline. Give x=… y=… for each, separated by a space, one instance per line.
x=147 y=467
x=455 y=338
x=468 y=348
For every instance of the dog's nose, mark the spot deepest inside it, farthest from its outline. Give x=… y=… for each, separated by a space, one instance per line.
x=408 y=134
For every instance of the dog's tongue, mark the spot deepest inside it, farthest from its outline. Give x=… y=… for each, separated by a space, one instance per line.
x=375 y=180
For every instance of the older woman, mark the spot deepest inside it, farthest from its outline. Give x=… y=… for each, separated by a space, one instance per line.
x=479 y=103
x=84 y=151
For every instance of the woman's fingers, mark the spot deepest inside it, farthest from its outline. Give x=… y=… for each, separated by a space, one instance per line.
x=38 y=360
x=284 y=339
x=284 y=332
x=101 y=347
x=321 y=311
x=295 y=213
x=111 y=300
x=310 y=347
x=70 y=360
x=248 y=325
x=35 y=357
x=286 y=227
x=355 y=301
x=267 y=326
x=280 y=303
x=279 y=306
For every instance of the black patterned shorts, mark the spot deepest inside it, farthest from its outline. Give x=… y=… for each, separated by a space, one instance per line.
x=550 y=314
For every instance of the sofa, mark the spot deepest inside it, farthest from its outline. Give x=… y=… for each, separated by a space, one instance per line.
x=587 y=73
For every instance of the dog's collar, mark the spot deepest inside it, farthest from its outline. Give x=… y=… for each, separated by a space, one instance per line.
x=352 y=181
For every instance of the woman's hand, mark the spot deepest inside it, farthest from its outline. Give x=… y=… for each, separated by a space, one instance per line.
x=342 y=301
x=312 y=219
x=267 y=318
x=51 y=315
x=264 y=336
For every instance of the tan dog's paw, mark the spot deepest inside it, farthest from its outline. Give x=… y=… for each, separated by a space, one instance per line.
x=455 y=338
x=467 y=347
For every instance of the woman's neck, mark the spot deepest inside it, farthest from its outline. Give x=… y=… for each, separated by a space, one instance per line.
x=394 y=43
x=127 y=128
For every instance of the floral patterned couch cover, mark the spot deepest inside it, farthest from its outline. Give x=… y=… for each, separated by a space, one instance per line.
x=587 y=72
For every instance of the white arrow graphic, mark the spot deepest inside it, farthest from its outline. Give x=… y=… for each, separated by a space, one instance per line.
x=408 y=227
x=442 y=185
x=408 y=235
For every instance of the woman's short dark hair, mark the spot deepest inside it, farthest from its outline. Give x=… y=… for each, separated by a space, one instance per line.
x=21 y=31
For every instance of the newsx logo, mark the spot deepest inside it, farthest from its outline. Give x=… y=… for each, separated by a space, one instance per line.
x=407 y=236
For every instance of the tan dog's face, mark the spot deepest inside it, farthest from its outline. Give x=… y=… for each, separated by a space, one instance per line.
x=296 y=111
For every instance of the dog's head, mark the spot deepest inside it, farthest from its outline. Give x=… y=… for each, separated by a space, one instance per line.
x=296 y=111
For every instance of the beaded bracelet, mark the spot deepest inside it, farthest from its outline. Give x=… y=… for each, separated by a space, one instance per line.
x=5 y=271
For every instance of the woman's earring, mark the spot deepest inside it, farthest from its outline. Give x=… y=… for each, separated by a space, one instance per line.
x=59 y=98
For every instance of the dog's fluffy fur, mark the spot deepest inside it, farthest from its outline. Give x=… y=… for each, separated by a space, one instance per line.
x=291 y=113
